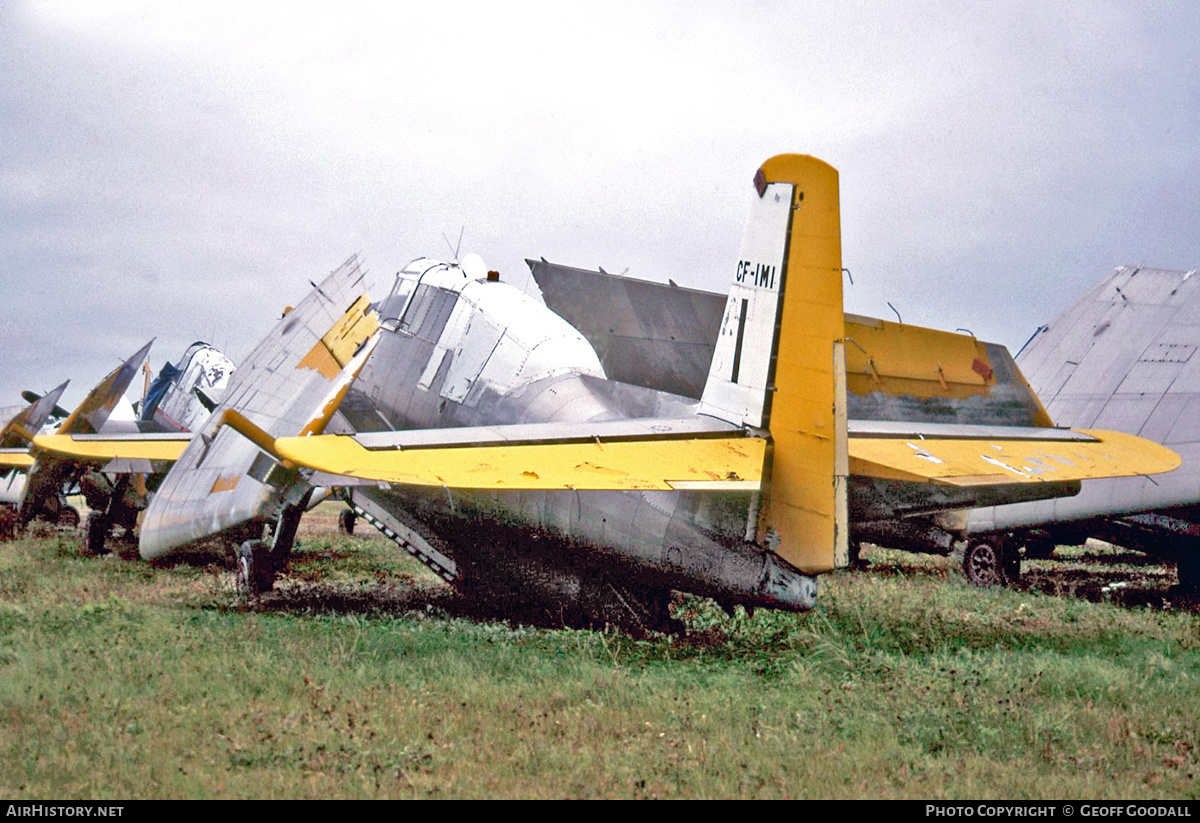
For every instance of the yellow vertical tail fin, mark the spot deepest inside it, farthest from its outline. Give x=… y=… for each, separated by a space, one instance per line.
x=779 y=362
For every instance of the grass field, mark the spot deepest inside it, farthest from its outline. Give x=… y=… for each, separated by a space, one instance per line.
x=363 y=676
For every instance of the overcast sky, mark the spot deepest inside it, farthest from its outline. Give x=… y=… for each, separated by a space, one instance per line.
x=181 y=170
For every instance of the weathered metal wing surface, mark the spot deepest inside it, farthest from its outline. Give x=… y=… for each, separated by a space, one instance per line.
x=1121 y=357
x=900 y=372
x=662 y=336
x=24 y=426
x=91 y=415
x=49 y=470
x=627 y=455
x=650 y=334
x=290 y=385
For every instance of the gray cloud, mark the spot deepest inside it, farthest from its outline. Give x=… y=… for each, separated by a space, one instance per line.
x=182 y=170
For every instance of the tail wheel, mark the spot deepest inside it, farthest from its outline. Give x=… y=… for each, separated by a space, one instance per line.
x=95 y=532
x=255 y=571
x=991 y=562
x=68 y=516
x=346 y=520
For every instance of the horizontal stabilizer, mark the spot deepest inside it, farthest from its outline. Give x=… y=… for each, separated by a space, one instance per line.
x=975 y=461
x=548 y=459
x=102 y=448
x=959 y=431
x=15 y=458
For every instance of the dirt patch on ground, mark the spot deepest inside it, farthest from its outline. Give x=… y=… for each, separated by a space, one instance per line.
x=1151 y=589
x=395 y=597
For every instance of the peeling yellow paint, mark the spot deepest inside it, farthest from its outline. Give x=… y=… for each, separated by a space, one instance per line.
x=804 y=508
x=333 y=351
x=973 y=462
x=319 y=359
x=225 y=483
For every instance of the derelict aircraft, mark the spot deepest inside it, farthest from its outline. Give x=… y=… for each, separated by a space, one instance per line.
x=1115 y=359
x=21 y=425
x=1122 y=356
x=179 y=399
x=479 y=431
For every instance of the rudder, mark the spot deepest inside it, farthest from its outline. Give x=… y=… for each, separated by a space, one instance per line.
x=779 y=362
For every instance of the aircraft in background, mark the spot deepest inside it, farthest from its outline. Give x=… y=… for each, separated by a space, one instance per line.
x=480 y=431
x=183 y=395
x=1118 y=358
x=1123 y=356
x=104 y=409
x=21 y=425
x=116 y=490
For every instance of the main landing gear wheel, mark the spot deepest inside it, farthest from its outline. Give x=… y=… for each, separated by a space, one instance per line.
x=255 y=569
x=991 y=562
x=346 y=520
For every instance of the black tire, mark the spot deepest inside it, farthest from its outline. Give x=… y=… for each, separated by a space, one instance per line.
x=1187 y=568
x=95 y=532
x=991 y=562
x=346 y=520
x=255 y=572
x=68 y=516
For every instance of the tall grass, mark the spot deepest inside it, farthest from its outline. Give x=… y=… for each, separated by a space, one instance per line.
x=360 y=678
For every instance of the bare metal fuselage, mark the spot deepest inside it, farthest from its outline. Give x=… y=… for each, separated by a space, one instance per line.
x=458 y=352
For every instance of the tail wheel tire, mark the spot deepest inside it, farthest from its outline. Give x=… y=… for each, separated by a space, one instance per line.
x=95 y=532
x=68 y=516
x=346 y=520
x=255 y=571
